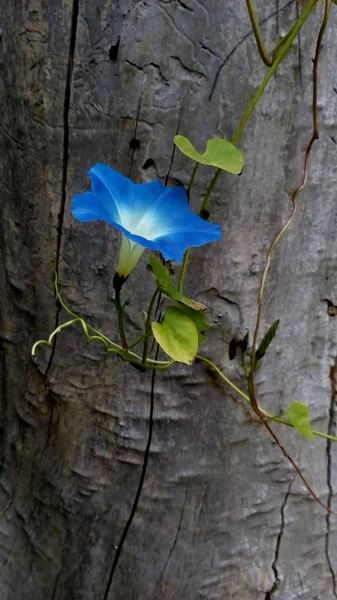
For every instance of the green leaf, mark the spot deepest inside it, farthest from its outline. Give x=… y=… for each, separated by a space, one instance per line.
x=334 y=1
x=199 y=319
x=299 y=416
x=177 y=335
x=267 y=340
x=174 y=294
x=160 y=271
x=166 y=286
x=219 y=153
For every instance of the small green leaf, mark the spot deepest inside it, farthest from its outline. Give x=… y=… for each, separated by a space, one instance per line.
x=174 y=294
x=219 y=153
x=166 y=286
x=160 y=270
x=299 y=416
x=267 y=340
x=177 y=335
x=199 y=319
x=334 y=1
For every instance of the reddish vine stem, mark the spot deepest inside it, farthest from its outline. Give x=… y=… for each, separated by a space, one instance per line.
x=298 y=190
x=297 y=469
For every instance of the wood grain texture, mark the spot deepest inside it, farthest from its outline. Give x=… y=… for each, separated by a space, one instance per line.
x=221 y=516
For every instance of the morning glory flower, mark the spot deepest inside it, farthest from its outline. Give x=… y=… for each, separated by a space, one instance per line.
x=149 y=215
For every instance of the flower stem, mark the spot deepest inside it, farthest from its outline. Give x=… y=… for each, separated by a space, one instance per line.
x=117 y=284
x=209 y=191
x=183 y=270
x=148 y=325
x=196 y=167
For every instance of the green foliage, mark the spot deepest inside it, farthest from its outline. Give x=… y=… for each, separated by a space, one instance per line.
x=177 y=335
x=299 y=416
x=160 y=271
x=194 y=310
x=199 y=319
x=267 y=340
x=166 y=285
x=219 y=153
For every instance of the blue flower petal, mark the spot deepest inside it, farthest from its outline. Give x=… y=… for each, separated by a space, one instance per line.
x=88 y=207
x=117 y=200
x=109 y=189
x=131 y=200
x=150 y=214
x=174 y=245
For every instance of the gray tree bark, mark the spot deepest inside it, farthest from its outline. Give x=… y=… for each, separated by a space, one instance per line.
x=221 y=515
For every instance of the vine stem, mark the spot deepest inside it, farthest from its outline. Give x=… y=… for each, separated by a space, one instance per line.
x=257 y=33
x=194 y=172
x=210 y=190
x=266 y=414
x=278 y=59
x=298 y=190
x=148 y=325
x=282 y=51
x=120 y=316
x=183 y=270
x=314 y=137
x=263 y=415
x=151 y=363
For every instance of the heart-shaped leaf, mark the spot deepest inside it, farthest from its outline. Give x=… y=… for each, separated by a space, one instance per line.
x=199 y=319
x=177 y=336
x=219 y=153
x=299 y=416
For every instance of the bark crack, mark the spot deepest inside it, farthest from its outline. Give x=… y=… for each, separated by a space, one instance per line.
x=331 y=431
x=135 y=146
x=174 y=148
x=270 y=593
x=57 y=578
x=173 y=545
x=138 y=492
x=66 y=108
x=277 y=10
x=183 y=5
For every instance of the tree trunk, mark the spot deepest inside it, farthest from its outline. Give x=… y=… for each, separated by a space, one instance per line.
x=221 y=515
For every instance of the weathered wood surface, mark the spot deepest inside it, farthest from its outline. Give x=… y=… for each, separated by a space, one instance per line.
x=222 y=516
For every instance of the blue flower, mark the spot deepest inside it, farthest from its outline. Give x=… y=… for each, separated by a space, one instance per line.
x=149 y=215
